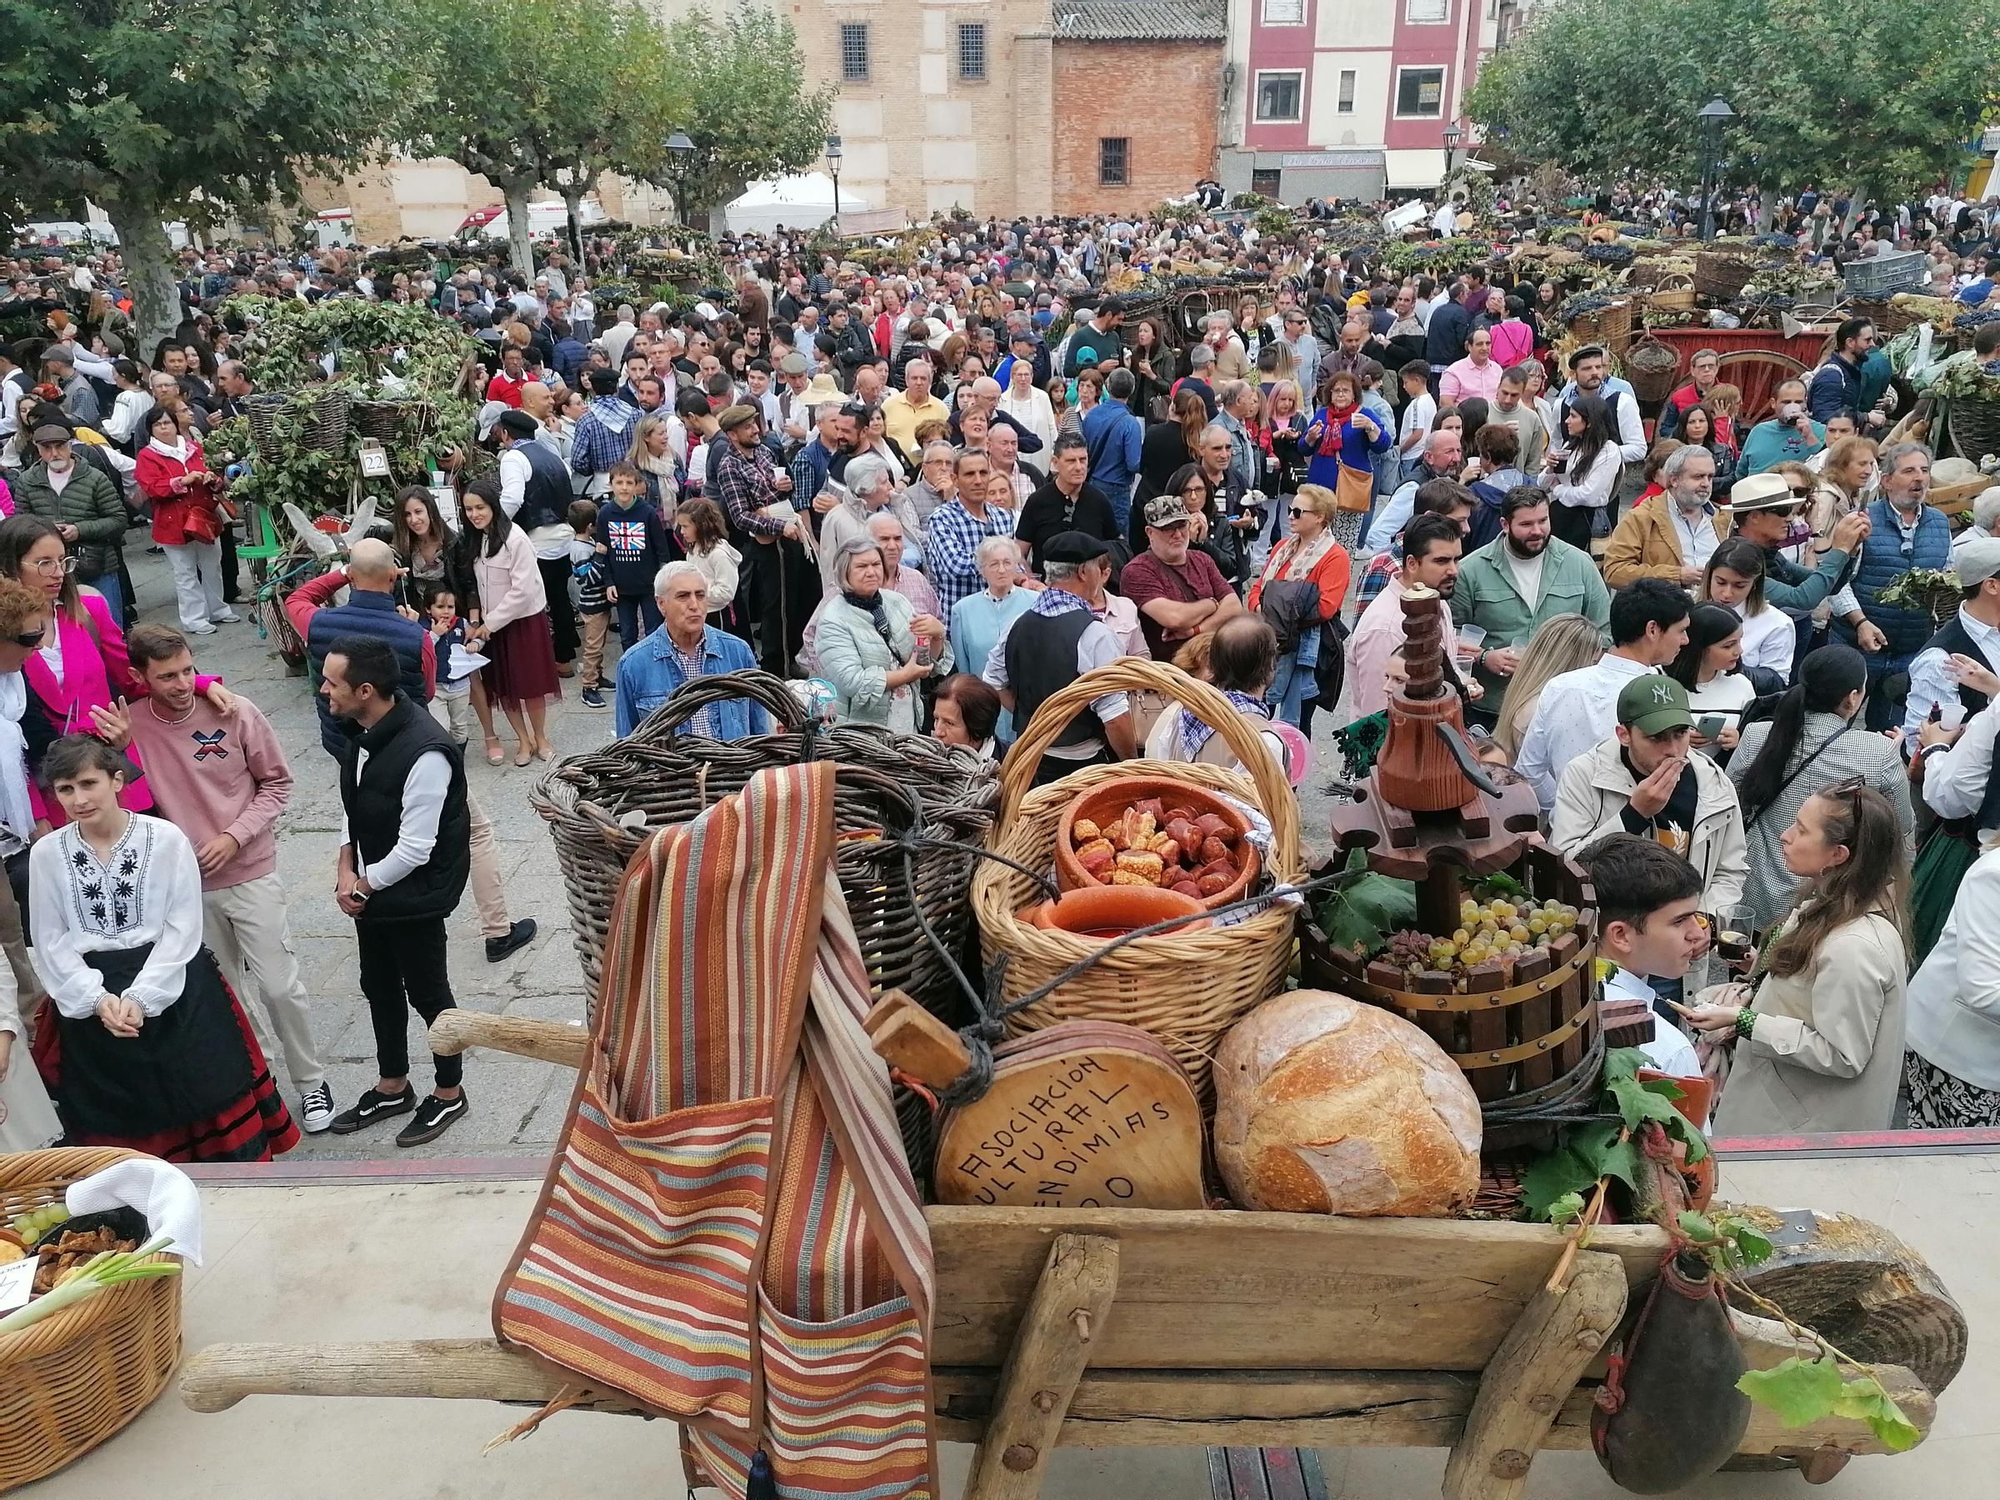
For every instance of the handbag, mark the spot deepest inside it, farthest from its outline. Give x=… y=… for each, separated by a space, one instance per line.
x=1355 y=491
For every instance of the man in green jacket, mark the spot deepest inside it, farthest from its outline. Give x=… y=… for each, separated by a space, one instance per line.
x=84 y=507
x=1522 y=577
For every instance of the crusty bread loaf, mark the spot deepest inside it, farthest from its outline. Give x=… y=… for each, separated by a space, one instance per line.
x=1326 y=1105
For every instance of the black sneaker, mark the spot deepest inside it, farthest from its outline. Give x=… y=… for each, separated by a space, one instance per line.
x=517 y=937
x=371 y=1107
x=316 y=1109
x=594 y=698
x=433 y=1118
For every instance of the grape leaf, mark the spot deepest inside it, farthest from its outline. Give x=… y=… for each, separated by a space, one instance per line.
x=1698 y=1226
x=1566 y=1209
x=1622 y=1062
x=1864 y=1398
x=1753 y=1247
x=1798 y=1390
x=1551 y=1178
x=1601 y=1150
x=1636 y=1102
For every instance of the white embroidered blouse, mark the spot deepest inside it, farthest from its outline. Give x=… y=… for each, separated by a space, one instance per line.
x=146 y=890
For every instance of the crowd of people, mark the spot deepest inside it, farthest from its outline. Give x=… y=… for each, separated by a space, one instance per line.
x=944 y=488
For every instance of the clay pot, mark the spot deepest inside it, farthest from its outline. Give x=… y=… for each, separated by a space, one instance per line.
x=1108 y=799
x=1109 y=911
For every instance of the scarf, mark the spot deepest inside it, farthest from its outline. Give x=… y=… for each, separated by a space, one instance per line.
x=1057 y=601
x=872 y=606
x=1336 y=418
x=1193 y=733
x=16 y=813
x=177 y=451
x=1294 y=559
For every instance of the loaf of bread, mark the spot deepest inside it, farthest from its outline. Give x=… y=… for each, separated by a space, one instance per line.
x=1326 y=1105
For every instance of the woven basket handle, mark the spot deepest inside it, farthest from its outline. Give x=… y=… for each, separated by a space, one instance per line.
x=1137 y=673
x=761 y=688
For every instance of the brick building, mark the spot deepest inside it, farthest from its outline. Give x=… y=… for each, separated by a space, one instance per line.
x=1137 y=96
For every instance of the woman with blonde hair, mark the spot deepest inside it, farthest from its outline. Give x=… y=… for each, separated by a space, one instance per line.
x=652 y=454
x=1561 y=643
x=1311 y=554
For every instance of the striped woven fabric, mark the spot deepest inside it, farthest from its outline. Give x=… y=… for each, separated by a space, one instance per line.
x=732 y=1162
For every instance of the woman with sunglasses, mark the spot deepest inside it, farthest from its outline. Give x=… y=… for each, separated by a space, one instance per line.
x=1309 y=555
x=1816 y=1034
x=78 y=662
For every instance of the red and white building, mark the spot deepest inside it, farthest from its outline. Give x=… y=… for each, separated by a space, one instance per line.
x=1350 y=98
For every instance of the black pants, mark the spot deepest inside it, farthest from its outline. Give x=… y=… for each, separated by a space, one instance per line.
x=232 y=588
x=562 y=613
x=403 y=965
x=1571 y=523
x=785 y=590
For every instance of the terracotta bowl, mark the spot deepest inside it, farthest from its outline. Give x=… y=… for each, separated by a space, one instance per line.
x=1109 y=911
x=1108 y=799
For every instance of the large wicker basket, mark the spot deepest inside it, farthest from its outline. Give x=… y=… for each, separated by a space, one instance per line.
x=1973 y=426
x=1186 y=988
x=1721 y=275
x=72 y=1380
x=1650 y=367
x=1609 y=326
x=600 y=807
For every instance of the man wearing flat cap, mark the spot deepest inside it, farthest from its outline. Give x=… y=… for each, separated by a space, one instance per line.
x=535 y=494
x=1054 y=643
x=783 y=585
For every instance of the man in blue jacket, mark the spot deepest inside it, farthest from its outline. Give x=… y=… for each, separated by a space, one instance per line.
x=685 y=647
x=1113 y=437
x=1838 y=386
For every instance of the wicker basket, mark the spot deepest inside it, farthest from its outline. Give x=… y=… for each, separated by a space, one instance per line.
x=1186 y=989
x=1650 y=367
x=326 y=428
x=1721 y=275
x=1609 y=326
x=1973 y=426
x=600 y=807
x=72 y=1380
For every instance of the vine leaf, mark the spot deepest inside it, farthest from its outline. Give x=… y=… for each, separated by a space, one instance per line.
x=1798 y=1390
x=1566 y=1210
x=1865 y=1398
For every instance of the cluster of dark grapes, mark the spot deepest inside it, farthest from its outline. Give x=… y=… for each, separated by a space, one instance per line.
x=1976 y=317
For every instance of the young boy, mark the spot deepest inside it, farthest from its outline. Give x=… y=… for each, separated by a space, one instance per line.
x=635 y=543
x=455 y=691
x=1649 y=902
x=587 y=562
x=1420 y=410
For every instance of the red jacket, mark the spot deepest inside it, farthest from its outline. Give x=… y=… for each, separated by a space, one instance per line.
x=156 y=473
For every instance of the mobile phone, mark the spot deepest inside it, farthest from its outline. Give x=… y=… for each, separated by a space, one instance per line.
x=1710 y=726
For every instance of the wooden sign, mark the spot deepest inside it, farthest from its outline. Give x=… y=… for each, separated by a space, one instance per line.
x=1085 y=1114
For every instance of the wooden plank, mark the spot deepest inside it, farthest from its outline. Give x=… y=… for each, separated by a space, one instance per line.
x=1061 y=1330
x=1288 y=1291
x=456 y=1031
x=1531 y=1375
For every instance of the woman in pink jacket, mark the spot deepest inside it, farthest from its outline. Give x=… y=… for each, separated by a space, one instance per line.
x=81 y=664
x=510 y=625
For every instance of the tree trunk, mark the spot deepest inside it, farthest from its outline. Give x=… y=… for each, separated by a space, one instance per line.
x=149 y=261
x=573 y=196
x=521 y=251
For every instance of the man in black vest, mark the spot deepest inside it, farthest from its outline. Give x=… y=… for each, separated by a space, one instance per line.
x=1053 y=644
x=405 y=854
x=535 y=493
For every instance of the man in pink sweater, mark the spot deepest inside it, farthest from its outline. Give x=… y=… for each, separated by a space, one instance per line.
x=223 y=780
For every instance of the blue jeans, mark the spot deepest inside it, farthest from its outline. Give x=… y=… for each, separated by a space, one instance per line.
x=113 y=591
x=630 y=613
x=1295 y=682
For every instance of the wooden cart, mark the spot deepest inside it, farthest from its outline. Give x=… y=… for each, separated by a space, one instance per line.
x=1132 y=1328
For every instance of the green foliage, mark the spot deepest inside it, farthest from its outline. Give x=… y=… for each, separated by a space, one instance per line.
x=1446 y=257
x=1877 y=95
x=1730 y=1243
x=1804 y=1390
x=1361 y=911
x=1566 y=1210
x=748 y=115
x=1584 y=1153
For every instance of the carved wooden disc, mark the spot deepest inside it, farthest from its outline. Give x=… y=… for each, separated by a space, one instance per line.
x=1083 y=1114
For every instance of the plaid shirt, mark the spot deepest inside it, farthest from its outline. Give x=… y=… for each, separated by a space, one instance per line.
x=951 y=541
x=1381 y=568
x=743 y=483
x=603 y=435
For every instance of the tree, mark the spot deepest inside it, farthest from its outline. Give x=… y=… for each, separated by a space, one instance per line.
x=1878 y=96
x=749 y=116
x=194 y=110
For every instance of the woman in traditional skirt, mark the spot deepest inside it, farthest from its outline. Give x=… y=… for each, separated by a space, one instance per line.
x=148 y=1048
x=27 y=1120
x=511 y=625
x=1954 y=1016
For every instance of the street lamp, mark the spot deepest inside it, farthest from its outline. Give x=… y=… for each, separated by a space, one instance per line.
x=1451 y=139
x=679 y=150
x=833 y=165
x=1711 y=115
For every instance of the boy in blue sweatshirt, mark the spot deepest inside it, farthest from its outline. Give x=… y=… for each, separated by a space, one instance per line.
x=589 y=570
x=635 y=540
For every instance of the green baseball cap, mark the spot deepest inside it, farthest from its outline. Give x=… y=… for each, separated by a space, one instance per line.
x=1654 y=704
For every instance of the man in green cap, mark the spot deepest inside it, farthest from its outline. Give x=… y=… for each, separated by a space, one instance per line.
x=1645 y=780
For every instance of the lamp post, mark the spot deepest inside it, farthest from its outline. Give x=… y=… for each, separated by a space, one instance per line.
x=833 y=166
x=1711 y=115
x=1451 y=140
x=679 y=150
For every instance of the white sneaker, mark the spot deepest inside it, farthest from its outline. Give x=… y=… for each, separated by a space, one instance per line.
x=316 y=1109
x=227 y=617
x=204 y=628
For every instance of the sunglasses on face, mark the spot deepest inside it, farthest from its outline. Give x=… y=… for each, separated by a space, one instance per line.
x=1799 y=494
x=1301 y=510
x=32 y=637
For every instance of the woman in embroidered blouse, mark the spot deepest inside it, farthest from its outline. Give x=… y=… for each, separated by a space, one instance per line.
x=81 y=663
x=149 y=1049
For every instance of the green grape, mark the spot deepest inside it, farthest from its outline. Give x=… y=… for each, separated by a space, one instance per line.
x=1518 y=933
x=1461 y=937
x=1538 y=924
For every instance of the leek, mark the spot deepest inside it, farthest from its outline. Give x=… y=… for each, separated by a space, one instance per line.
x=100 y=1273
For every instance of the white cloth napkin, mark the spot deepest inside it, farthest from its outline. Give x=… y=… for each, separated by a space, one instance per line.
x=163 y=1193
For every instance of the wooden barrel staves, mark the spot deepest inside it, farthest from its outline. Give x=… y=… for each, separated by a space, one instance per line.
x=1524 y=1031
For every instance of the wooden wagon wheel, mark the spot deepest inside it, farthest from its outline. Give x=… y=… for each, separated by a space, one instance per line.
x=1757 y=373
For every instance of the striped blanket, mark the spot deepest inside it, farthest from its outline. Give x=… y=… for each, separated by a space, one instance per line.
x=729 y=1233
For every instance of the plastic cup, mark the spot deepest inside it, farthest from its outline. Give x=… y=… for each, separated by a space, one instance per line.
x=1951 y=716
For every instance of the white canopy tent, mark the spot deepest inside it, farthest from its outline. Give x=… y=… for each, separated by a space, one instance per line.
x=802 y=202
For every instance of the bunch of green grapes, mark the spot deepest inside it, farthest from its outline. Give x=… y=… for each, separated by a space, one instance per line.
x=1506 y=929
x=31 y=1226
